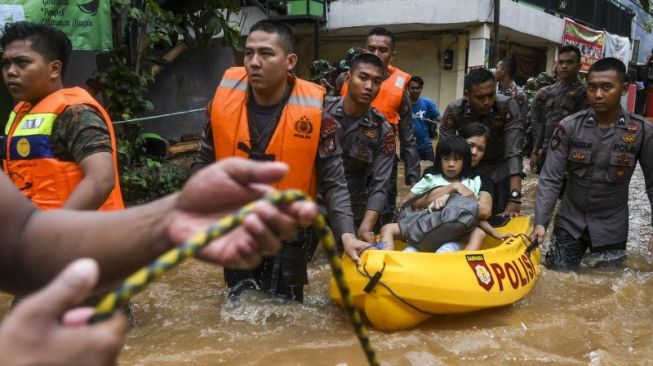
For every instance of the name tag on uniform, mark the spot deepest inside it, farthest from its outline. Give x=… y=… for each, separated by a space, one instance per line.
x=32 y=123
x=399 y=83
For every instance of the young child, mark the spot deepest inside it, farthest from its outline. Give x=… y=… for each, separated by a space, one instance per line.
x=451 y=173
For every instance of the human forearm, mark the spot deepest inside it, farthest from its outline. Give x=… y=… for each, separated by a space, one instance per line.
x=367 y=225
x=89 y=194
x=433 y=194
x=515 y=182
x=206 y=153
x=120 y=242
x=96 y=185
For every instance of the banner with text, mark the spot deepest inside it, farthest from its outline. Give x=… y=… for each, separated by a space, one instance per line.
x=86 y=22
x=589 y=41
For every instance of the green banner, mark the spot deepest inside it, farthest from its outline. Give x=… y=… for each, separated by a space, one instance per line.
x=86 y=22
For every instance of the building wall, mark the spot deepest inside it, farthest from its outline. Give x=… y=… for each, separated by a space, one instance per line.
x=417 y=54
x=428 y=14
x=645 y=38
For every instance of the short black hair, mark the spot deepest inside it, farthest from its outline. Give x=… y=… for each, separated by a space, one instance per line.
x=475 y=129
x=418 y=80
x=281 y=29
x=366 y=58
x=510 y=65
x=47 y=41
x=478 y=76
x=381 y=31
x=457 y=146
x=607 y=64
x=570 y=48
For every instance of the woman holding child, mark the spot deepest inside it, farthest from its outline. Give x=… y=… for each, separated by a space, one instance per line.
x=452 y=188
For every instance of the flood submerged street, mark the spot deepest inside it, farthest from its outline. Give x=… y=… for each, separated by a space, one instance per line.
x=596 y=316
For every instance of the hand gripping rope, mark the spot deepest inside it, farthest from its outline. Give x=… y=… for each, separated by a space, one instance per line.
x=137 y=281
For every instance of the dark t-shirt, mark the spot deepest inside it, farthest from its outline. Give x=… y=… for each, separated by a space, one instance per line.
x=487 y=184
x=262 y=116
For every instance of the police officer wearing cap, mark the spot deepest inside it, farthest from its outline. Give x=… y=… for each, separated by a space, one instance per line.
x=552 y=104
x=366 y=142
x=500 y=114
x=599 y=149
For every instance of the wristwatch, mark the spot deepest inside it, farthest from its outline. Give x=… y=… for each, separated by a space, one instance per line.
x=515 y=196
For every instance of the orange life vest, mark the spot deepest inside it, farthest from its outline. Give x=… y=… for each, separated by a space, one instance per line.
x=295 y=140
x=28 y=157
x=391 y=94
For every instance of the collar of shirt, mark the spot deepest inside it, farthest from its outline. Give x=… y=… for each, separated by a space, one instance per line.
x=339 y=113
x=590 y=120
x=508 y=91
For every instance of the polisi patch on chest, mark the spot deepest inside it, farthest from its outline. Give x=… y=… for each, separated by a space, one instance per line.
x=624 y=148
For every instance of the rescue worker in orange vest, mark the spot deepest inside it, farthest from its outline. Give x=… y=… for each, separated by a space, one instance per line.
x=394 y=102
x=58 y=146
x=263 y=112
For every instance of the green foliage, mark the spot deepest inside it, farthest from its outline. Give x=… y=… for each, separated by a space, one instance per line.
x=123 y=89
x=201 y=20
x=143 y=178
x=125 y=83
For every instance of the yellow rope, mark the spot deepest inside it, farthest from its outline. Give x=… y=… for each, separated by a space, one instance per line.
x=137 y=281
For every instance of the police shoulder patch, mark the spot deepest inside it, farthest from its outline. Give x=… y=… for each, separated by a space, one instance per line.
x=329 y=145
x=390 y=144
x=329 y=126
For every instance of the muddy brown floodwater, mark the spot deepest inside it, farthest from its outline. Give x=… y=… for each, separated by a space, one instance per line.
x=593 y=316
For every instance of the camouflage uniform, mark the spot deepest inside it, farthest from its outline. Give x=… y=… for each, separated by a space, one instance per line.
x=368 y=148
x=321 y=72
x=503 y=155
x=79 y=132
x=598 y=164
x=551 y=105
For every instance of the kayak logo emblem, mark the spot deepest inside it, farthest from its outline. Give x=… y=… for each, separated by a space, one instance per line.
x=481 y=270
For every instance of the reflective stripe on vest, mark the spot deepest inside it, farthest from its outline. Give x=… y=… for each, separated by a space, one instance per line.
x=391 y=94
x=28 y=158
x=295 y=140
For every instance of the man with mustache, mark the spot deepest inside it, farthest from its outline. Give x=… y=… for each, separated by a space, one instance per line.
x=500 y=114
x=58 y=146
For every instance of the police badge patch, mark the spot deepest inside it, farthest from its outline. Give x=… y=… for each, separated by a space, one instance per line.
x=363 y=154
x=577 y=155
x=632 y=127
x=620 y=173
x=329 y=126
x=623 y=159
x=555 y=141
x=369 y=132
x=329 y=145
x=629 y=138
x=389 y=149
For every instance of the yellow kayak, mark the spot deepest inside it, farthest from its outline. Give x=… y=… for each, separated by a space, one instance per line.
x=398 y=290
